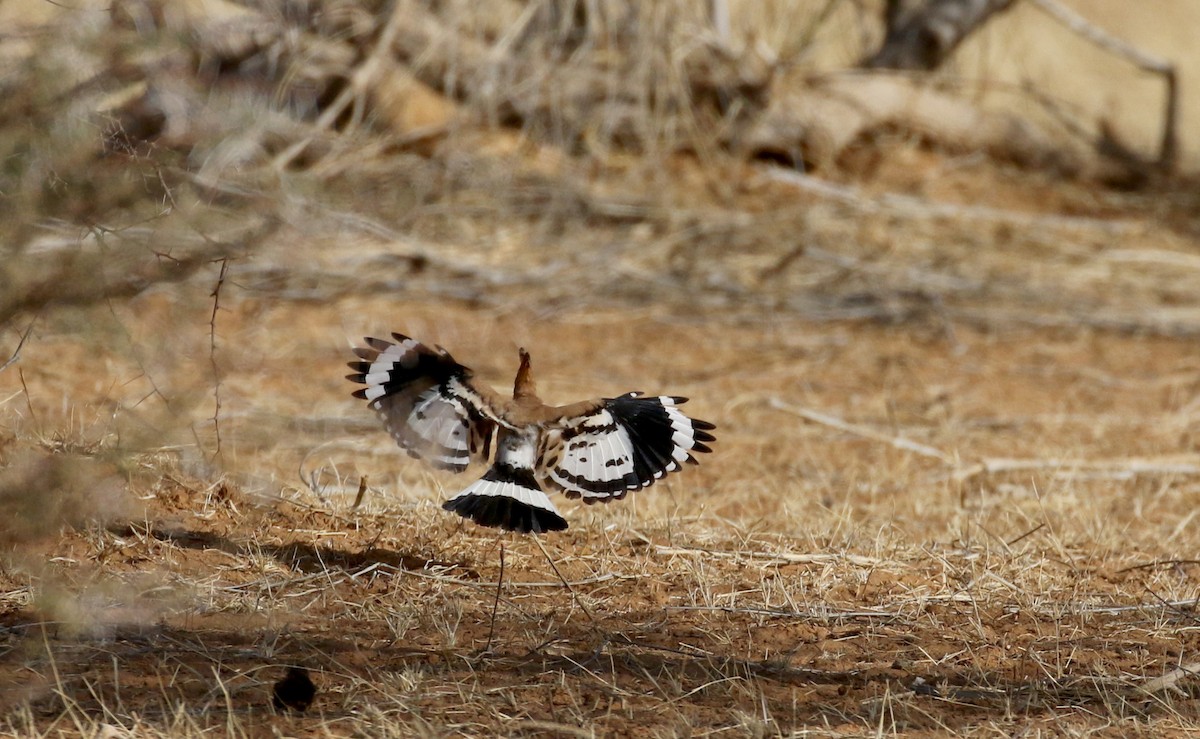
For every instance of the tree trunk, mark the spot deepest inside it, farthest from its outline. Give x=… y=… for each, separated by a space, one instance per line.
x=924 y=37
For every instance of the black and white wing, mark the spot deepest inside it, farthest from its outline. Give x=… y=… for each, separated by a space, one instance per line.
x=624 y=444
x=427 y=401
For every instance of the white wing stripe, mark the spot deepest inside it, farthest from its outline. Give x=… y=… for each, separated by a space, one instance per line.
x=625 y=445
x=682 y=441
x=425 y=402
x=491 y=488
x=378 y=376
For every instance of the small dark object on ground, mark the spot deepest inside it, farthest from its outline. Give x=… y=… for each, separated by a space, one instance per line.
x=295 y=691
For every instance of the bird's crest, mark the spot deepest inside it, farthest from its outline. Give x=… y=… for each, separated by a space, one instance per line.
x=523 y=386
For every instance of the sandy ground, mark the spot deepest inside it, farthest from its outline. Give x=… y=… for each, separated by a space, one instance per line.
x=915 y=525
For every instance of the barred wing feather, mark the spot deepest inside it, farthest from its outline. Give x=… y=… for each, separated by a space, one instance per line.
x=427 y=401
x=625 y=444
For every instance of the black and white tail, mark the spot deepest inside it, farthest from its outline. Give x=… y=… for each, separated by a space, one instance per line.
x=508 y=498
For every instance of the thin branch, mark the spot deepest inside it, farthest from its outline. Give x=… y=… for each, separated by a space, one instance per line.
x=1119 y=469
x=362 y=492
x=1168 y=153
x=898 y=442
x=28 y=400
x=595 y=624
x=212 y=353
x=787 y=557
x=1159 y=563
x=815 y=614
x=1027 y=534
x=496 y=602
x=363 y=78
x=915 y=207
x=16 y=355
x=1171 y=678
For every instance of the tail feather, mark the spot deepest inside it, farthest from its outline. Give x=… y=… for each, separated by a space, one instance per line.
x=509 y=499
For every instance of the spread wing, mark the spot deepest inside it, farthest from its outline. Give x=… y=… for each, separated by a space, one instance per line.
x=620 y=444
x=428 y=402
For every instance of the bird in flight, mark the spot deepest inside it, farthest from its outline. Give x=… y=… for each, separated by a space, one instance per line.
x=597 y=450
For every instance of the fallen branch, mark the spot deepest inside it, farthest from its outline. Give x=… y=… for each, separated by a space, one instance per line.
x=824 y=613
x=514 y=584
x=1169 y=680
x=1159 y=563
x=787 y=557
x=899 y=442
x=1156 y=257
x=1118 y=468
x=910 y=206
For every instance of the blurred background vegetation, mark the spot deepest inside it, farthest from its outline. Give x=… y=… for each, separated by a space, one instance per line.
x=822 y=159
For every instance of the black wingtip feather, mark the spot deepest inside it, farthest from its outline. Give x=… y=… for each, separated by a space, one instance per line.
x=400 y=337
x=702 y=435
x=359 y=378
x=703 y=425
x=360 y=393
x=359 y=366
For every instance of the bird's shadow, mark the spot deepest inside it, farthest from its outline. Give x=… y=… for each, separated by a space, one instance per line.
x=300 y=556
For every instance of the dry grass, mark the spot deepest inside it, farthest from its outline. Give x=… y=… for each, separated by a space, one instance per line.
x=953 y=489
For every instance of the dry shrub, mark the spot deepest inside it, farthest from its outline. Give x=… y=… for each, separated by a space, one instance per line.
x=98 y=202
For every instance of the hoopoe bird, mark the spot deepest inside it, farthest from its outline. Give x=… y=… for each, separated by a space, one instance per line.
x=597 y=450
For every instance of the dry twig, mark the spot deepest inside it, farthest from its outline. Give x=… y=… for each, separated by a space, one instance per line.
x=1168 y=149
x=1117 y=469
x=212 y=353
x=857 y=560
x=898 y=442
x=16 y=354
x=1171 y=679
x=914 y=207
